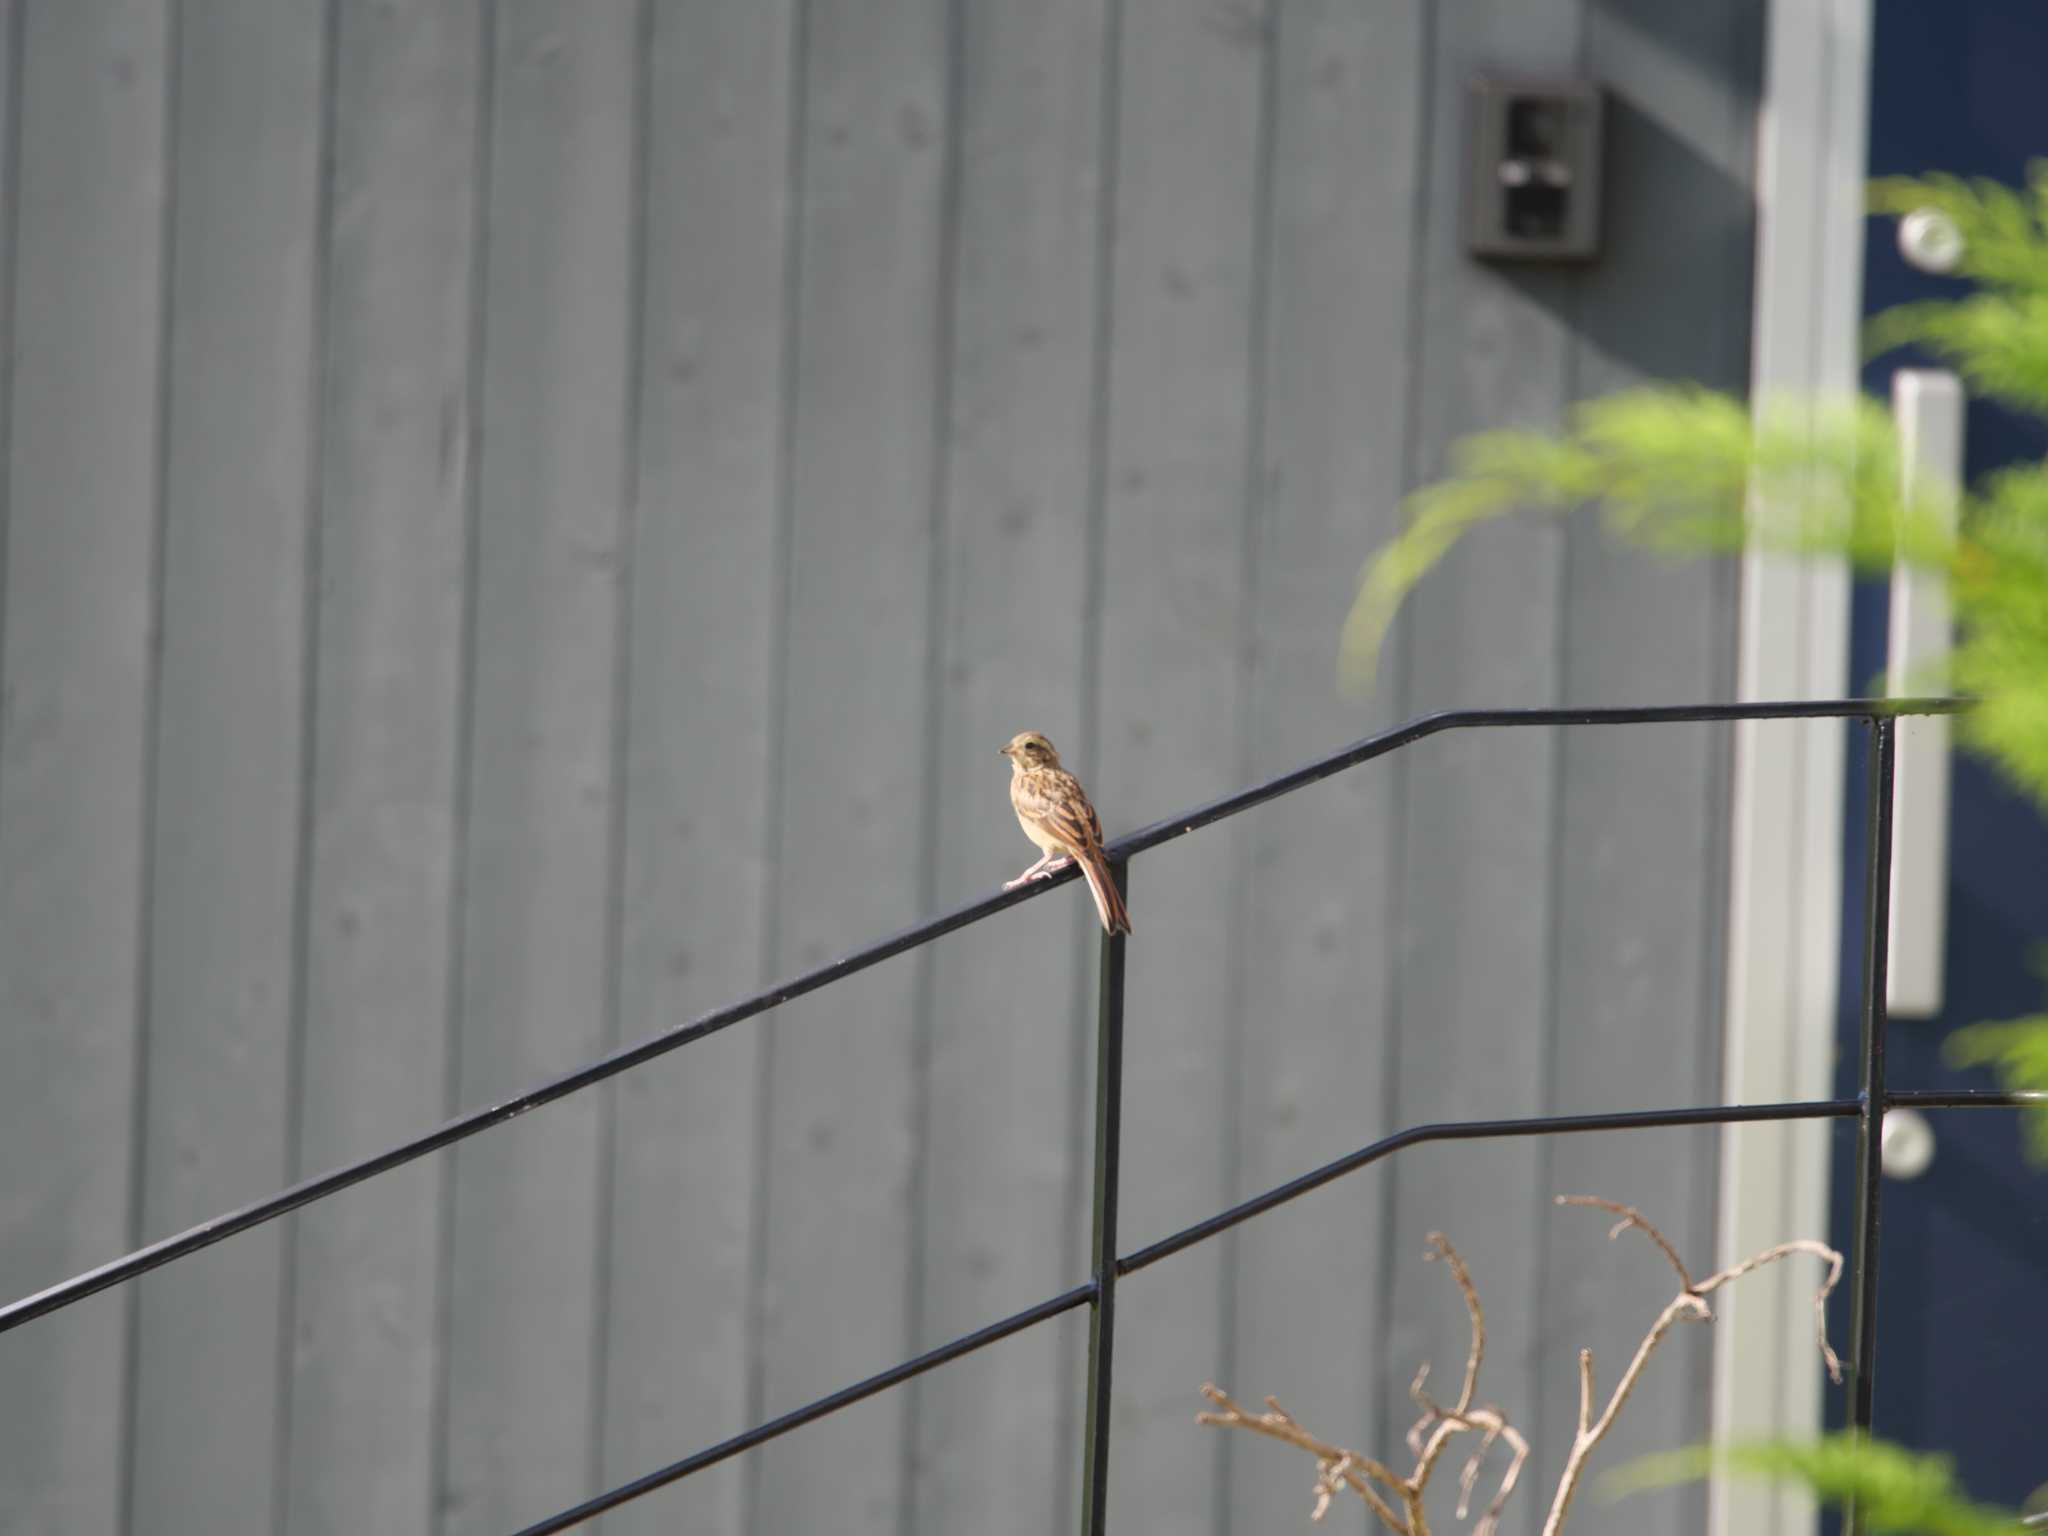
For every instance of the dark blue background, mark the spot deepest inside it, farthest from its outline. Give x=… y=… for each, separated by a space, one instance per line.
x=1962 y=1364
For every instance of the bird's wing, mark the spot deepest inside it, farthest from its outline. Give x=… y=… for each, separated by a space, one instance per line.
x=1054 y=799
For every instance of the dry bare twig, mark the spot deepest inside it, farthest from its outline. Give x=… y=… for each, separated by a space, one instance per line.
x=1337 y=1467
x=1689 y=1303
x=1398 y=1501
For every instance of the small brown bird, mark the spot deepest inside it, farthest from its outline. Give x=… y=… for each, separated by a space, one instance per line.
x=1053 y=809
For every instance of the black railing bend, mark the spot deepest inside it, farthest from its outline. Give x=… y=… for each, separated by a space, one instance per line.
x=1099 y=1292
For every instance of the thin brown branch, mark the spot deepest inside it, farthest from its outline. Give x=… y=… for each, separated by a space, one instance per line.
x=1631 y=1217
x=1820 y=1297
x=1439 y=1247
x=1433 y=1431
x=1684 y=1304
x=1492 y=1425
x=1432 y=1410
x=1690 y=1303
x=1334 y=1463
x=1446 y=1422
x=1470 y=1476
x=1440 y=1435
x=1329 y=1478
x=1487 y=1522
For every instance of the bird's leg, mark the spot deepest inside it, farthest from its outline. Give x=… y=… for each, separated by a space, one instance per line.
x=1049 y=866
x=1033 y=873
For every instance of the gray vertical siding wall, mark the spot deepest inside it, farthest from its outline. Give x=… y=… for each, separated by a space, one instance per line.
x=524 y=521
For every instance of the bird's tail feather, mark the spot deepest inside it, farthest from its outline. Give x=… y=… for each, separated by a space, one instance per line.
x=1109 y=901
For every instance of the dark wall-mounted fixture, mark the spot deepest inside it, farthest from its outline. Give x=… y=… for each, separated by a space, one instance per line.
x=1533 y=169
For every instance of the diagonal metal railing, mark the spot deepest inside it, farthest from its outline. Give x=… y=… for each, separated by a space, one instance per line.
x=1108 y=1266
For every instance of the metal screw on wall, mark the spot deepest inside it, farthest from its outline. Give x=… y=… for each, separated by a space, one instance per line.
x=1929 y=240
x=1906 y=1145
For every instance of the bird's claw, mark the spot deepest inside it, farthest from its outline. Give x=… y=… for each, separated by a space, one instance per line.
x=1038 y=871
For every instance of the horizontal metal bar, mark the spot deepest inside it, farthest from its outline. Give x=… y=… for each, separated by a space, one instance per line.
x=1566 y=1125
x=165 y=1250
x=1966 y=1098
x=1466 y=1130
x=967 y=1344
x=1496 y=719
x=209 y=1232
x=1480 y=1130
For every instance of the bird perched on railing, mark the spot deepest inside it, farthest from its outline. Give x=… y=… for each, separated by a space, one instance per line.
x=1053 y=809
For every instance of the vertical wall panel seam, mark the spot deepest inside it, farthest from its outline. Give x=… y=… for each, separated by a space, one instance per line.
x=946 y=300
x=789 y=366
x=1747 y=27
x=1095 y=587
x=465 y=690
x=1241 y=838
x=1741 y=75
x=10 y=210
x=319 y=320
x=1551 y=1022
x=631 y=429
x=1550 y=1016
x=152 y=724
x=1395 y=1000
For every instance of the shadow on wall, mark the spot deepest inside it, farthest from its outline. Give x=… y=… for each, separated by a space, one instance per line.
x=1688 y=222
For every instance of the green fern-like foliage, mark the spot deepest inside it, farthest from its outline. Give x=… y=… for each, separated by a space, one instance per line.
x=1894 y=1489
x=2017 y=1049
x=1671 y=468
x=1998 y=335
x=1691 y=471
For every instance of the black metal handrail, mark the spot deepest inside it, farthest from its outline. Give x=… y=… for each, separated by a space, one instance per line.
x=1099 y=1292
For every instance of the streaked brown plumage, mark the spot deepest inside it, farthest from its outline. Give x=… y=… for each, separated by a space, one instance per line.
x=1053 y=809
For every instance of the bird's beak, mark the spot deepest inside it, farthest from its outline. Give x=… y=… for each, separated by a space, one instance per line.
x=1002 y=752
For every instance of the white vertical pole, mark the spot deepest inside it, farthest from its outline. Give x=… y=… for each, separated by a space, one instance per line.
x=1927 y=404
x=1786 y=858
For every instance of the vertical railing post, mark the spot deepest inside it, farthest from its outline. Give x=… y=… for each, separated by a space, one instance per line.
x=1871 y=1090
x=1109 y=1116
